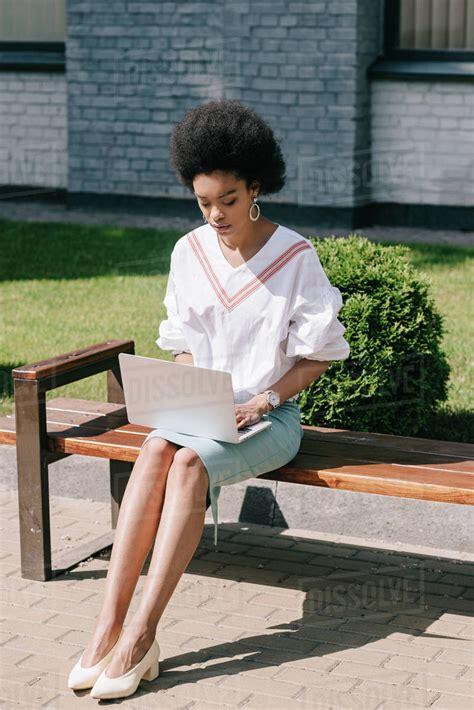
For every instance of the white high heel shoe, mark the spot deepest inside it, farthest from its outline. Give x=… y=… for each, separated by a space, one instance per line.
x=81 y=678
x=148 y=669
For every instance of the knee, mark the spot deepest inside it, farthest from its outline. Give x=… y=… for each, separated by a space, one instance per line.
x=158 y=451
x=189 y=470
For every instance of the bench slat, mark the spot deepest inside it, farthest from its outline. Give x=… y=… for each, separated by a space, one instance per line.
x=393 y=441
x=350 y=481
x=88 y=406
x=409 y=474
x=380 y=454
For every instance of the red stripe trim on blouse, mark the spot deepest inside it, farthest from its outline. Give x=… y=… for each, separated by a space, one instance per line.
x=231 y=302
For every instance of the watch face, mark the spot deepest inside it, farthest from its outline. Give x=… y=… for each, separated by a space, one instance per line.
x=273 y=399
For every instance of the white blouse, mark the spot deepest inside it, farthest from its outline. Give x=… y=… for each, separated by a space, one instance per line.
x=255 y=320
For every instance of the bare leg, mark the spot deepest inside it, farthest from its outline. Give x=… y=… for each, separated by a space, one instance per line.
x=178 y=535
x=137 y=524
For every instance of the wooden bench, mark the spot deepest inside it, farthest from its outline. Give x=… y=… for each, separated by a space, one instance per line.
x=45 y=431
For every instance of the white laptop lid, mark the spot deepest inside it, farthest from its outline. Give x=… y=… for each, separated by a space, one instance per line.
x=179 y=397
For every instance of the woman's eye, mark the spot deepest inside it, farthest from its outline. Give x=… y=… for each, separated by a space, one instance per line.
x=227 y=204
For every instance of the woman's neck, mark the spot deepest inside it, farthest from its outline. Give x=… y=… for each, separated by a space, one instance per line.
x=250 y=242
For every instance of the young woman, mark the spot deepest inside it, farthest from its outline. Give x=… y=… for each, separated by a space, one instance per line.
x=244 y=295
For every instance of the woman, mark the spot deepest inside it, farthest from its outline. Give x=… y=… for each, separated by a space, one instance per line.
x=244 y=295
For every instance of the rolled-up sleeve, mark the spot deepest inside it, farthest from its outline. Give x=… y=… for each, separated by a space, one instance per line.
x=315 y=332
x=171 y=334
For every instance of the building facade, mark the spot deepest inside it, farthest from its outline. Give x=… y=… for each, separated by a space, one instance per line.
x=372 y=102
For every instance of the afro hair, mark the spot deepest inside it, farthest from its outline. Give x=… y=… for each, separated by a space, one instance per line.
x=225 y=135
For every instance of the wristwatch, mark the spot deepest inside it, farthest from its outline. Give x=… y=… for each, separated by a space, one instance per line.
x=273 y=399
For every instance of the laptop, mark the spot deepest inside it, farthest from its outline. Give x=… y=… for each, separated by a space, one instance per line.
x=182 y=398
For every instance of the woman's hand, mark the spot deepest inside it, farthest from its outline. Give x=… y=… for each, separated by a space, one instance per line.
x=251 y=412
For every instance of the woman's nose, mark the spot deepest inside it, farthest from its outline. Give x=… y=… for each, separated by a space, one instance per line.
x=216 y=215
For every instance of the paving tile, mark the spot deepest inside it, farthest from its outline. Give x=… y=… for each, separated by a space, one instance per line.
x=39 y=646
x=313 y=679
x=429 y=652
x=452 y=702
x=263 y=686
x=328 y=699
x=451 y=686
x=353 y=669
x=29 y=614
x=208 y=693
x=398 y=692
x=14 y=627
x=288 y=641
x=212 y=631
x=420 y=665
x=42 y=662
x=12 y=656
x=334 y=653
x=452 y=655
x=22 y=692
x=250 y=611
x=467 y=674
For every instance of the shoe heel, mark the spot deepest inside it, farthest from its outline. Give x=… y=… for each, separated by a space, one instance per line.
x=153 y=671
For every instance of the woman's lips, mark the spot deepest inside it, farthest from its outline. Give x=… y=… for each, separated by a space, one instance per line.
x=223 y=228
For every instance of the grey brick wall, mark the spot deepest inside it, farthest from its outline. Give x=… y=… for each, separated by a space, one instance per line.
x=423 y=142
x=33 y=135
x=135 y=68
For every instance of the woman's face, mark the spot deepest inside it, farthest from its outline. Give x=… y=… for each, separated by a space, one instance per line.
x=224 y=200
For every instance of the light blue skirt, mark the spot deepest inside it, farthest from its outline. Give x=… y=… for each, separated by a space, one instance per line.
x=228 y=463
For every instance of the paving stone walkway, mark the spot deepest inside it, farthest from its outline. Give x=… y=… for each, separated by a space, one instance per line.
x=271 y=618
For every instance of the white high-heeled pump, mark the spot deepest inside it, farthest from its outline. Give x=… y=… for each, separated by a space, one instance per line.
x=146 y=669
x=81 y=678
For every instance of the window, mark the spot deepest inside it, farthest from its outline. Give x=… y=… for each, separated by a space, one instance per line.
x=429 y=29
x=430 y=24
x=32 y=20
x=32 y=35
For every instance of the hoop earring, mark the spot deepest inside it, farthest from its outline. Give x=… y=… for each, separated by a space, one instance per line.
x=255 y=204
x=204 y=217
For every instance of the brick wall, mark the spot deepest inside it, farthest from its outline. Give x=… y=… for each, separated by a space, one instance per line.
x=33 y=135
x=423 y=142
x=134 y=70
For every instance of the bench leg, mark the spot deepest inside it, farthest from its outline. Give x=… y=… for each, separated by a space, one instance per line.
x=33 y=483
x=119 y=470
x=119 y=474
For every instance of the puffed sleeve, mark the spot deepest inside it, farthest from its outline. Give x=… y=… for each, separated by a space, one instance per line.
x=171 y=334
x=315 y=333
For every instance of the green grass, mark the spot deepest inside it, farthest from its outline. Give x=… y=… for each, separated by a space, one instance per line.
x=67 y=286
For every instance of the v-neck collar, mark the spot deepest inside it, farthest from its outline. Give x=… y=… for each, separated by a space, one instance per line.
x=246 y=264
x=214 y=261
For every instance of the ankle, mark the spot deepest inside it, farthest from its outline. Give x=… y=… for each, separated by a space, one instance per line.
x=108 y=626
x=142 y=630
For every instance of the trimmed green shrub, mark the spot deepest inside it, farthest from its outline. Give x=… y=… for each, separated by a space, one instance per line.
x=396 y=374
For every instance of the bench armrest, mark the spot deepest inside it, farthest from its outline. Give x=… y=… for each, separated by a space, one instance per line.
x=75 y=364
x=72 y=359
